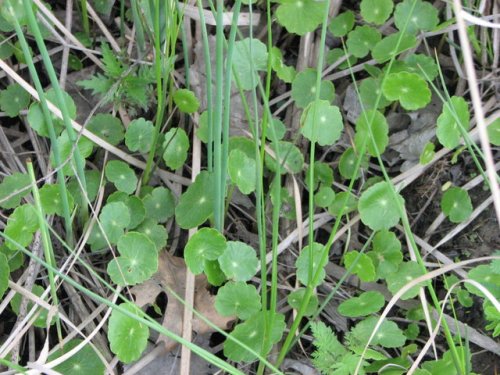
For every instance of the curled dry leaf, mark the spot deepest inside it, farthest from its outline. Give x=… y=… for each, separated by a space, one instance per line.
x=170 y=277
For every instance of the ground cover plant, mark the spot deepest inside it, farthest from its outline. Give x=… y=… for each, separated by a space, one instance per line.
x=268 y=187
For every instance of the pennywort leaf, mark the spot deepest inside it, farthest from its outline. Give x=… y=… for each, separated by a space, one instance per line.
x=412 y=16
x=239 y=261
x=342 y=24
x=121 y=175
x=322 y=123
x=238 y=298
x=139 y=135
x=176 y=146
x=107 y=127
x=410 y=89
x=295 y=301
x=84 y=362
x=205 y=244
x=393 y=45
x=13 y=99
x=376 y=11
x=361 y=265
x=127 y=337
x=15 y=186
x=159 y=204
x=300 y=16
x=303 y=264
x=186 y=101
x=456 y=204
x=242 y=171
x=367 y=303
x=196 y=204
x=378 y=208
x=373 y=131
x=453 y=120
x=248 y=60
x=138 y=260
x=406 y=272
x=251 y=333
x=361 y=40
x=304 y=88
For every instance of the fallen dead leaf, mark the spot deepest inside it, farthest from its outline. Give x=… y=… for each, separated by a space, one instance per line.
x=170 y=277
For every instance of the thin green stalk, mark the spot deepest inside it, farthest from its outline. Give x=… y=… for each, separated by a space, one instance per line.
x=217 y=117
x=208 y=83
x=139 y=31
x=79 y=161
x=312 y=276
x=46 y=243
x=227 y=96
x=85 y=17
x=160 y=97
x=68 y=224
x=185 y=50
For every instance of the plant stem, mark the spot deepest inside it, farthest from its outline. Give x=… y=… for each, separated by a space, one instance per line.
x=46 y=243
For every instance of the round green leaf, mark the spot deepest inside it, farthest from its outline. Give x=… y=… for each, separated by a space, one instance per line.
x=342 y=24
x=454 y=120
x=303 y=261
x=300 y=16
x=322 y=123
x=13 y=188
x=485 y=276
x=196 y=204
x=107 y=127
x=159 y=205
x=12 y=11
x=378 y=208
x=389 y=335
x=348 y=161
x=250 y=56
x=237 y=298
x=324 y=196
x=373 y=131
x=84 y=362
x=139 y=135
x=406 y=272
x=251 y=333
x=361 y=40
x=154 y=232
x=456 y=204
x=242 y=171
x=291 y=158
x=186 y=101
x=67 y=151
x=345 y=202
x=114 y=218
x=376 y=11
x=323 y=174
x=13 y=99
x=134 y=204
x=4 y=274
x=36 y=119
x=138 y=260
x=295 y=300
x=386 y=253
x=284 y=72
x=279 y=129
x=410 y=89
x=206 y=244
x=50 y=196
x=393 y=45
x=366 y=304
x=21 y=225
x=427 y=153
x=176 y=146
x=214 y=274
x=412 y=16
x=369 y=90
x=304 y=88
x=121 y=175
x=239 y=261
x=423 y=65
x=494 y=132
x=127 y=337
x=92 y=181
x=361 y=265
